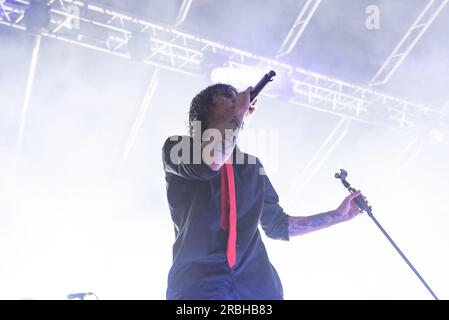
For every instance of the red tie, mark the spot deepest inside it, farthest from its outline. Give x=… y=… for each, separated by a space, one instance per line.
x=229 y=210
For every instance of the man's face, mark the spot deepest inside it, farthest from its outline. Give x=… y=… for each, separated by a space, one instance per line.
x=223 y=106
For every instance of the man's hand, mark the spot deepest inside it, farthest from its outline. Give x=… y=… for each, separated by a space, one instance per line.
x=242 y=102
x=228 y=113
x=252 y=109
x=348 y=209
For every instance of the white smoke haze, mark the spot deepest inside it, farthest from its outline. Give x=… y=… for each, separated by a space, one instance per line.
x=73 y=220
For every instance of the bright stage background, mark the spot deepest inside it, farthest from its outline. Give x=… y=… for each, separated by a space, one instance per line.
x=72 y=221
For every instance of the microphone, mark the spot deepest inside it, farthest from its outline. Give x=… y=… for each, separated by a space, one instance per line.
x=81 y=296
x=261 y=84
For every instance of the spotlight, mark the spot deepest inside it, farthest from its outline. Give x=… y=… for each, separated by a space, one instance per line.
x=37 y=16
x=435 y=136
x=283 y=88
x=431 y=129
x=240 y=77
x=211 y=61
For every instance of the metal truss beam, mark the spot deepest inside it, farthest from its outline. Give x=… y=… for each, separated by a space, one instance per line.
x=108 y=31
x=140 y=116
x=408 y=42
x=28 y=91
x=298 y=27
x=356 y=102
x=183 y=11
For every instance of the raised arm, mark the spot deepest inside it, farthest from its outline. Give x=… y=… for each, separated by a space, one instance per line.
x=225 y=124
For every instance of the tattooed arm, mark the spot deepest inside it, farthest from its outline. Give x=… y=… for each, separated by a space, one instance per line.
x=347 y=210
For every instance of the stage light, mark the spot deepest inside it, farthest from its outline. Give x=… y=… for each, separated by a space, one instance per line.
x=239 y=77
x=282 y=87
x=435 y=136
x=433 y=132
x=37 y=16
x=210 y=61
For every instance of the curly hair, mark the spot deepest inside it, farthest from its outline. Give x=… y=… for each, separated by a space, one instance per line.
x=203 y=102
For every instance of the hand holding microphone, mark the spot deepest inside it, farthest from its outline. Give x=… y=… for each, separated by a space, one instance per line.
x=247 y=99
x=261 y=84
x=232 y=111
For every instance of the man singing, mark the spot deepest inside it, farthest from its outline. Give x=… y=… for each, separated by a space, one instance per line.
x=218 y=196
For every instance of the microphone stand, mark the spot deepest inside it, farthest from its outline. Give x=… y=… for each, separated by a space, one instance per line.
x=363 y=205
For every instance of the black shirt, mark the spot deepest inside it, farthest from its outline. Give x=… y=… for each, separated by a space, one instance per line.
x=200 y=269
